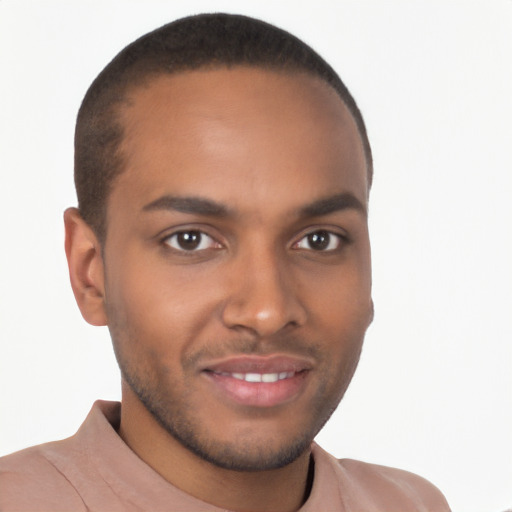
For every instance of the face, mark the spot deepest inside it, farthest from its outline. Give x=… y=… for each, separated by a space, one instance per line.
x=237 y=260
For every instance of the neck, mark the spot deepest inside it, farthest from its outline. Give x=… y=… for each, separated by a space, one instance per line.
x=242 y=491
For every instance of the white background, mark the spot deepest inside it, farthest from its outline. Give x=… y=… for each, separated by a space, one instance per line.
x=433 y=393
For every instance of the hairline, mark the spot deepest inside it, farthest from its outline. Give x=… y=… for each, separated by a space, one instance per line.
x=147 y=78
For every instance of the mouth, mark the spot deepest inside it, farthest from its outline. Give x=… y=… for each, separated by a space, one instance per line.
x=258 y=381
x=259 y=377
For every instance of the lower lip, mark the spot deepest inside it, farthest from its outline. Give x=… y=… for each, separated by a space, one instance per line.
x=258 y=394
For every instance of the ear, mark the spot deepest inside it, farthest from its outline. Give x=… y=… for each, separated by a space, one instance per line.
x=372 y=312
x=85 y=263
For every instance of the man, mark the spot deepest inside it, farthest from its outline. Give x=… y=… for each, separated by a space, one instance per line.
x=222 y=172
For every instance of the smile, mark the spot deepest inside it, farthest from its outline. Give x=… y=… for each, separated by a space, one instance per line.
x=258 y=381
x=259 y=377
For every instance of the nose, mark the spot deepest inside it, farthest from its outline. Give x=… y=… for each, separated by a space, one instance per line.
x=264 y=296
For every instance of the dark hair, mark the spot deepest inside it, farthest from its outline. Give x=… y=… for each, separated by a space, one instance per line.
x=202 y=41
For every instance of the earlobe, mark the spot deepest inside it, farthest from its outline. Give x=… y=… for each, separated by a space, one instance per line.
x=85 y=263
x=372 y=312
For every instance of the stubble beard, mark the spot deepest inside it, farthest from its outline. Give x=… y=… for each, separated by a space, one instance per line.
x=176 y=416
x=174 y=412
x=236 y=456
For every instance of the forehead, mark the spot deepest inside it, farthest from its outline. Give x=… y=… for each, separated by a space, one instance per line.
x=228 y=132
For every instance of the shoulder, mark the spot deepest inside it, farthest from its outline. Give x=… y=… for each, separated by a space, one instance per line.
x=33 y=476
x=393 y=483
x=383 y=488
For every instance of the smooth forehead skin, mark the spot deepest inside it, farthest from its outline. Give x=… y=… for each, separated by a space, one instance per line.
x=236 y=115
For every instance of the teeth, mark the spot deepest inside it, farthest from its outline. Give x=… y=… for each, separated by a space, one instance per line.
x=260 y=377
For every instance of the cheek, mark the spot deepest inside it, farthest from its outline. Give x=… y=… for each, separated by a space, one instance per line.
x=341 y=300
x=341 y=310
x=156 y=307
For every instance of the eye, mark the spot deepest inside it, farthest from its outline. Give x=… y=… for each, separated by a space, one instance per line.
x=191 y=241
x=320 y=241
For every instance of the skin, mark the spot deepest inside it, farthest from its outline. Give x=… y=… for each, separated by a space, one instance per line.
x=280 y=157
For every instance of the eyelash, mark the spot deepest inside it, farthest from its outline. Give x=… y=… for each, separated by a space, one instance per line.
x=190 y=233
x=325 y=237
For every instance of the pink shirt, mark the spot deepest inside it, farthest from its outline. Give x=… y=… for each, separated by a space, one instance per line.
x=94 y=471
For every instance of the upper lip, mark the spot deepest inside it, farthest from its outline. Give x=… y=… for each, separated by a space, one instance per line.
x=259 y=364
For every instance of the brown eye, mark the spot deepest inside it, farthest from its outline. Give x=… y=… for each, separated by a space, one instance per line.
x=191 y=241
x=320 y=241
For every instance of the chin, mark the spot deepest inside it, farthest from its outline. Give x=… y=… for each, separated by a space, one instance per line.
x=245 y=456
x=249 y=449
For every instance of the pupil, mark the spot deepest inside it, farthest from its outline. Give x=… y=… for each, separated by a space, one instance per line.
x=189 y=239
x=318 y=240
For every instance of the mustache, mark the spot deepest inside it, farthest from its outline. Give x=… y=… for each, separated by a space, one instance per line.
x=287 y=345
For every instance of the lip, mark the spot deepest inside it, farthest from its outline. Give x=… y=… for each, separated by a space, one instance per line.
x=220 y=375
x=259 y=364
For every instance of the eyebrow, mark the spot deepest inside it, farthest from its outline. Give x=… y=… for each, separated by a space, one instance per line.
x=333 y=204
x=203 y=206
x=193 y=205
